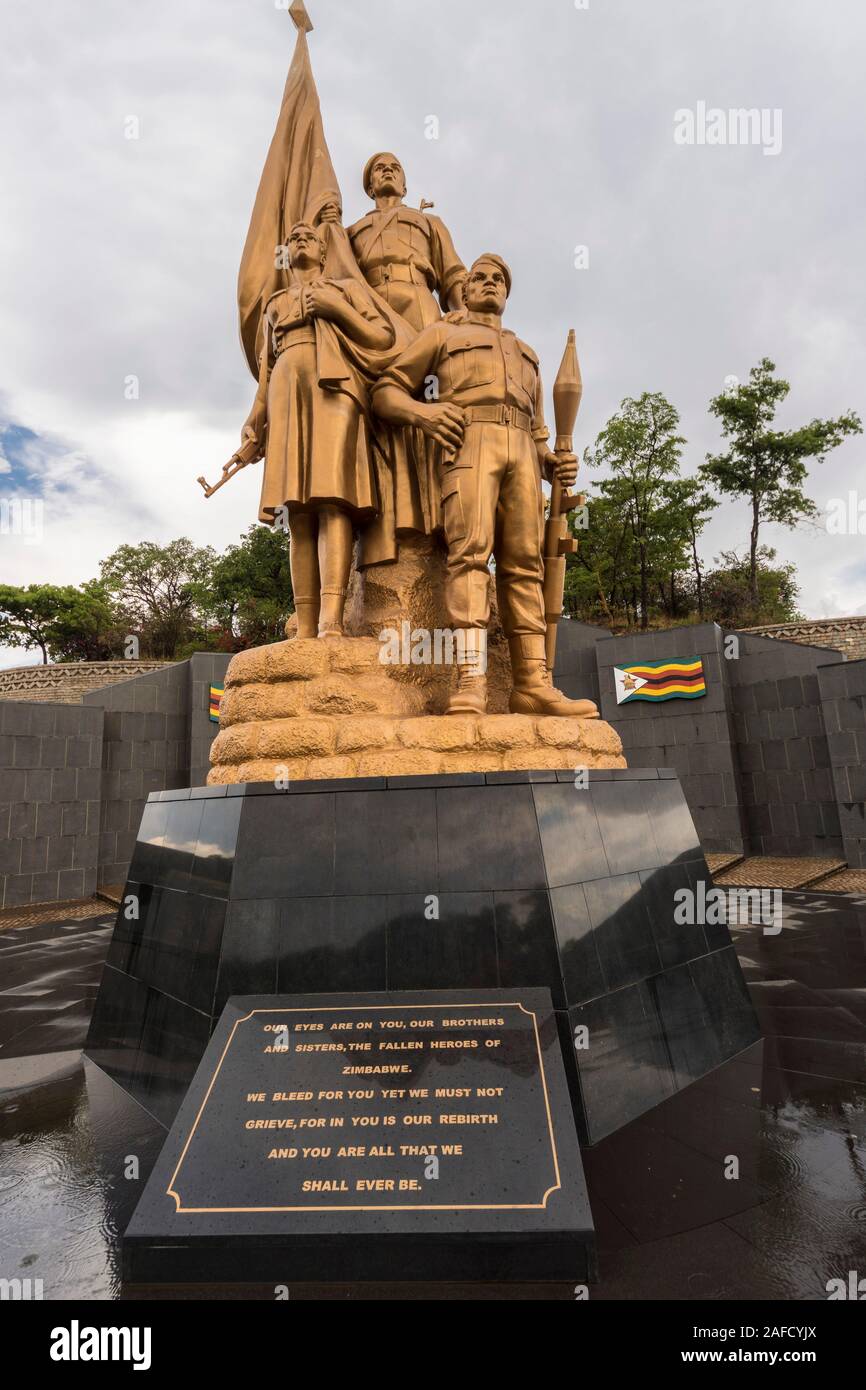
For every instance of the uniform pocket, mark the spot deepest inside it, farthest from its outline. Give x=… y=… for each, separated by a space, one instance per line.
x=453 y=519
x=470 y=365
x=529 y=366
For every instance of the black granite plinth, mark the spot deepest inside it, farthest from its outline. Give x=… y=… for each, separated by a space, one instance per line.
x=402 y=1136
x=471 y=881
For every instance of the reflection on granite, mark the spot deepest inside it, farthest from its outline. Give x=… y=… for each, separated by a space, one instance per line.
x=669 y=1224
x=481 y=880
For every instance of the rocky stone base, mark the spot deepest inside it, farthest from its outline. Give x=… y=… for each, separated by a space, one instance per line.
x=312 y=749
x=330 y=709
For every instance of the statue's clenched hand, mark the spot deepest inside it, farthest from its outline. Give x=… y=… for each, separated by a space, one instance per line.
x=444 y=423
x=322 y=302
x=563 y=467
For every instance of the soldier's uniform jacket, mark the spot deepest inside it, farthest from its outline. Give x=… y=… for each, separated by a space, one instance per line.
x=474 y=365
x=408 y=245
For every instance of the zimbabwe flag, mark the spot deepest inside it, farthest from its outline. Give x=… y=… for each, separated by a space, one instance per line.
x=216 y=694
x=659 y=680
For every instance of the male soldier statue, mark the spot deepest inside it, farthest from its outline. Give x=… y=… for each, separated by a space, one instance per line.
x=489 y=423
x=403 y=254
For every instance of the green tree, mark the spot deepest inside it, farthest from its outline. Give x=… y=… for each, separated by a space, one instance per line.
x=247 y=595
x=693 y=506
x=26 y=615
x=728 y=594
x=88 y=627
x=599 y=577
x=63 y=622
x=641 y=449
x=155 y=588
x=765 y=465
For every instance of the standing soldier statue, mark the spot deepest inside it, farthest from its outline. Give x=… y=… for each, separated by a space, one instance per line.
x=489 y=423
x=404 y=255
x=408 y=258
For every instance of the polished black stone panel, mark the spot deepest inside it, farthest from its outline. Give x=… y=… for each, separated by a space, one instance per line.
x=675 y=941
x=117 y=1024
x=285 y=846
x=622 y=930
x=250 y=950
x=578 y=951
x=214 y=858
x=276 y=1167
x=622 y=1061
x=505 y=880
x=385 y=842
x=179 y=844
x=526 y=943
x=626 y=828
x=570 y=834
x=172 y=1039
x=487 y=839
x=458 y=943
x=339 y=939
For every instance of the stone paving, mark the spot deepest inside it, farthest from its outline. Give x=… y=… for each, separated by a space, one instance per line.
x=766 y=871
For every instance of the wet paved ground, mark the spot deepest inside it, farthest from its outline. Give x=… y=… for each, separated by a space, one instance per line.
x=671 y=1224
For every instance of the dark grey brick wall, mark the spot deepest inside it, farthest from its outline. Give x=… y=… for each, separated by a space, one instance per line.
x=772 y=761
x=145 y=749
x=576 y=671
x=695 y=737
x=789 y=798
x=50 y=757
x=74 y=779
x=205 y=669
x=843 y=701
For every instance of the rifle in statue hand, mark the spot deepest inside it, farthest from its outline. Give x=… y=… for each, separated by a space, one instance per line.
x=248 y=453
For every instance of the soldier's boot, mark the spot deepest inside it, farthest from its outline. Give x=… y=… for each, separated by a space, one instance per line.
x=331 y=613
x=307 y=613
x=534 y=691
x=470 y=693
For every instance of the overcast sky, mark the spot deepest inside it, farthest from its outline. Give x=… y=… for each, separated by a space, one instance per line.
x=556 y=130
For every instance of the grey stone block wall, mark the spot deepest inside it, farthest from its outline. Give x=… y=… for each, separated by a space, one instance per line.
x=695 y=737
x=205 y=669
x=145 y=749
x=789 y=797
x=576 y=671
x=74 y=779
x=50 y=780
x=843 y=701
x=772 y=761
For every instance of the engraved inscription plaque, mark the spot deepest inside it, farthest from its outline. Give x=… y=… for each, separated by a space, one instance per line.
x=420 y=1135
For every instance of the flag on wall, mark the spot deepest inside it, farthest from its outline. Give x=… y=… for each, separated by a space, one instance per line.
x=216 y=694
x=659 y=680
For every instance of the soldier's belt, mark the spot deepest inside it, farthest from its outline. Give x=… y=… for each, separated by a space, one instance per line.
x=293 y=337
x=406 y=274
x=497 y=415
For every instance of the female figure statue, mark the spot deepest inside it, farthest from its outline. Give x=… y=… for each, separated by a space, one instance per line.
x=310 y=421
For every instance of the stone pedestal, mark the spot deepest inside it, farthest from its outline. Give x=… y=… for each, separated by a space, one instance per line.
x=500 y=880
x=326 y=709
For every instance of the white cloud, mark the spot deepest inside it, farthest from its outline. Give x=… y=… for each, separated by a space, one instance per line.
x=556 y=128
